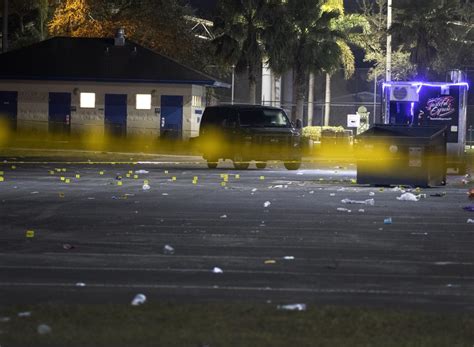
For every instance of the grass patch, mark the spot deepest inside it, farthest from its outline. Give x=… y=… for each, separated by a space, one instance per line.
x=231 y=325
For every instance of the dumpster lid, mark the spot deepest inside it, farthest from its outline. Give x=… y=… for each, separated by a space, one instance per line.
x=389 y=130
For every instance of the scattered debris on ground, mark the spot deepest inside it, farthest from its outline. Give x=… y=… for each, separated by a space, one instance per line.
x=139 y=299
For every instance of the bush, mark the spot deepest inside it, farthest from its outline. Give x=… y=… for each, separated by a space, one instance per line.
x=314 y=132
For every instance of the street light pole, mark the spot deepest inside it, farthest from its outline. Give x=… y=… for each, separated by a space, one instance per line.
x=233 y=85
x=5 y=27
x=375 y=97
x=388 y=63
x=388 y=67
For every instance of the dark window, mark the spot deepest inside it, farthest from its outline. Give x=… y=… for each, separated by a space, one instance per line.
x=230 y=119
x=263 y=118
x=210 y=116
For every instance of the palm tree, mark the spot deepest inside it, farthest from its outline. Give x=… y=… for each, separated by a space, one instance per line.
x=304 y=41
x=346 y=23
x=239 y=27
x=424 y=30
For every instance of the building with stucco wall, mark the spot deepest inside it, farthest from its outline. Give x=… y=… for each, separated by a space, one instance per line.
x=105 y=86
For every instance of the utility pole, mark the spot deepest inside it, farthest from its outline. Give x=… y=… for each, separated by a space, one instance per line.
x=388 y=64
x=311 y=99
x=5 y=27
x=388 y=68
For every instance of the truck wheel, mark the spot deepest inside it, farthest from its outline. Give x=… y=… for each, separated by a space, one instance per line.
x=211 y=161
x=239 y=163
x=261 y=164
x=212 y=164
x=292 y=165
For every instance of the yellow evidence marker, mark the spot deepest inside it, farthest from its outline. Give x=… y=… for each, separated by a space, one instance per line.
x=30 y=234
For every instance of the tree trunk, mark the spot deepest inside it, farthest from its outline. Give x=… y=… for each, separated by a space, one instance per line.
x=5 y=27
x=252 y=91
x=22 y=25
x=310 y=99
x=300 y=88
x=252 y=84
x=327 y=100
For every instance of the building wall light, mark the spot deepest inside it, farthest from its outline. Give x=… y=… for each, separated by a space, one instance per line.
x=87 y=100
x=143 y=101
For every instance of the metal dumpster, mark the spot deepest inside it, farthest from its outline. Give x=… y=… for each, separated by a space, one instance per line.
x=402 y=155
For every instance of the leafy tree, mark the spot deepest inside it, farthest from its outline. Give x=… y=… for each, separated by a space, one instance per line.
x=374 y=43
x=458 y=52
x=75 y=18
x=239 y=27
x=155 y=24
x=305 y=41
x=354 y=27
x=21 y=8
x=29 y=18
x=424 y=30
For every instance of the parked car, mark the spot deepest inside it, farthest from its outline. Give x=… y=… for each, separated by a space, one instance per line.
x=244 y=133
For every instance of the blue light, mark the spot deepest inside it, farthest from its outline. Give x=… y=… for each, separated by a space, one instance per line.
x=419 y=85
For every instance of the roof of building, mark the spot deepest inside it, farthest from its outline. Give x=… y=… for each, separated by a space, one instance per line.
x=99 y=60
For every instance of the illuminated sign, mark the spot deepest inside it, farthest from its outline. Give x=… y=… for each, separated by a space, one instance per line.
x=440 y=108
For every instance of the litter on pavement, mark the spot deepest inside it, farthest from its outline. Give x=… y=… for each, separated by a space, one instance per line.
x=470 y=221
x=43 y=329
x=469 y=208
x=146 y=187
x=292 y=307
x=139 y=299
x=342 y=209
x=141 y=172
x=370 y=202
x=217 y=270
x=24 y=314
x=408 y=197
x=168 y=250
x=266 y=204
x=387 y=220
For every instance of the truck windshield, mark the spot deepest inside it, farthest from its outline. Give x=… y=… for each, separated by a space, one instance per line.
x=263 y=118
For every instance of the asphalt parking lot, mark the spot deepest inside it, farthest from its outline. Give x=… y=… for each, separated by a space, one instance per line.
x=278 y=236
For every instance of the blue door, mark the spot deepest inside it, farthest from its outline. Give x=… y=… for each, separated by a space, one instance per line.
x=8 y=109
x=59 y=113
x=116 y=115
x=171 y=116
